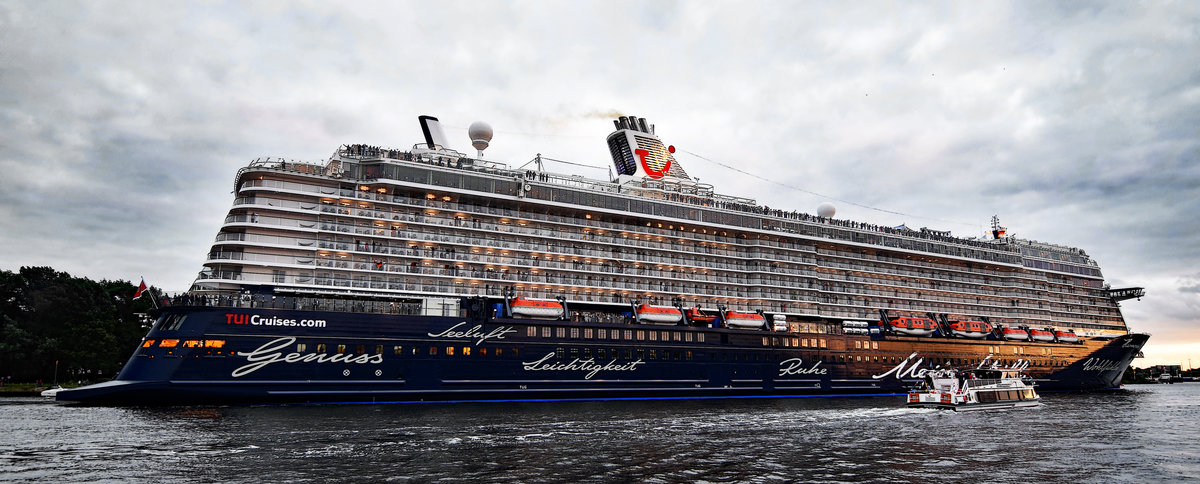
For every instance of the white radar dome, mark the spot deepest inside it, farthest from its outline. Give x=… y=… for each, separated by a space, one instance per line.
x=480 y=134
x=826 y=210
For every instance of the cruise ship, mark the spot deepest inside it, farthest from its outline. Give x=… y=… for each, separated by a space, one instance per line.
x=429 y=274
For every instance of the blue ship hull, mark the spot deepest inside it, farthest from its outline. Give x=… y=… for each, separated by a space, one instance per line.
x=217 y=355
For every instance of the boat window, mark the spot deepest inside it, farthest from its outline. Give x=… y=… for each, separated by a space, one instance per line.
x=560 y=332
x=559 y=352
x=341 y=348
x=449 y=351
x=433 y=350
x=587 y=333
x=587 y=353
x=360 y=349
x=148 y=343
x=766 y=341
x=822 y=343
x=466 y=351
x=546 y=332
x=641 y=335
x=601 y=353
x=321 y=348
x=191 y=343
x=629 y=354
x=700 y=337
x=300 y=347
x=574 y=352
x=483 y=351
x=654 y=336
x=500 y=351
x=688 y=336
x=858 y=345
x=653 y=354
x=689 y=355
x=641 y=354
x=678 y=336
x=677 y=355
x=574 y=332
x=628 y=334
x=398 y=350
x=874 y=345
x=168 y=343
x=602 y=334
x=531 y=331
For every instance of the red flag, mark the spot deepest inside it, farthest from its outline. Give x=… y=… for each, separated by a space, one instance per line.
x=141 y=287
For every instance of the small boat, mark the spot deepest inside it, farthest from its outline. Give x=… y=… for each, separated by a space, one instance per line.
x=913 y=326
x=1045 y=336
x=658 y=314
x=1014 y=334
x=970 y=329
x=734 y=319
x=1067 y=336
x=51 y=392
x=532 y=308
x=696 y=316
x=975 y=389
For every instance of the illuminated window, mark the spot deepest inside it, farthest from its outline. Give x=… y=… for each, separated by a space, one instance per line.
x=654 y=336
x=399 y=350
x=700 y=337
x=168 y=343
x=191 y=343
x=482 y=351
x=601 y=353
x=574 y=352
x=689 y=336
x=449 y=351
x=804 y=343
x=341 y=348
x=300 y=347
x=574 y=332
x=321 y=348
x=560 y=332
x=641 y=335
x=602 y=333
x=822 y=343
x=858 y=345
x=466 y=351
x=874 y=345
x=689 y=355
x=379 y=349
x=148 y=343
x=587 y=333
x=214 y=343
x=628 y=334
x=500 y=351
x=433 y=350
x=653 y=354
x=531 y=331
x=360 y=349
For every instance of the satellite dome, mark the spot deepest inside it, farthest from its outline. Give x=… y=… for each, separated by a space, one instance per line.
x=480 y=134
x=826 y=209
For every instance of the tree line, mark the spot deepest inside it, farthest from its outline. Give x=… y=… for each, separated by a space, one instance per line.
x=89 y=328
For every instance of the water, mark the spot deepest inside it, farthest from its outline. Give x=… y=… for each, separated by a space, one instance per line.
x=1147 y=433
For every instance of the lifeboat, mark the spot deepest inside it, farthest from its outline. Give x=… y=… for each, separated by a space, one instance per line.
x=658 y=314
x=970 y=329
x=913 y=326
x=1042 y=335
x=531 y=308
x=1066 y=336
x=734 y=319
x=1014 y=334
x=694 y=315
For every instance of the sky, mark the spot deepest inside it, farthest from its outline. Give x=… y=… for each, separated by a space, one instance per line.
x=122 y=124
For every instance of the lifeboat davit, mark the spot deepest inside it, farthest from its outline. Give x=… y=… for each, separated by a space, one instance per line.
x=913 y=326
x=1066 y=336
x=734 y=319
x=1014 y=334
x=696 y=316
x=1042 y=335
x=970 y=329
x=658 y=314
x=531 y=308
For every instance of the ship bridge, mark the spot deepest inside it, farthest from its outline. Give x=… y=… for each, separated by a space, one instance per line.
x=1126 y=293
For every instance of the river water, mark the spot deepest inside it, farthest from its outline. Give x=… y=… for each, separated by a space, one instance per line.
x=1146 y=433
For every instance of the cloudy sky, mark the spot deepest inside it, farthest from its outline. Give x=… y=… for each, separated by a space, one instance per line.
x=122 y=124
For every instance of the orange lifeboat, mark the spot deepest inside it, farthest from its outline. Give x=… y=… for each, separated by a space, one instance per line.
x=913 y=326
x=532 y=308
x=1014 y=334
x=658 y=314
x=734 y=319
x=696 y=316
x=970 y=329
x=1043 y=335
x=1067 y=336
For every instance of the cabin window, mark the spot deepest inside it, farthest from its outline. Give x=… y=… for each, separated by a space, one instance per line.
x=360 y=349
x=379 y=349
x=700 y=337
x=766 y=341
x=546 y=332
x=483 y=351
x=602 y=333
x=601 y=353
x=689 y=355
x=560 y=332
x=466 y=351
x=678 y=336
x=500 y=351
x=531 y=331
x=559 y=352
x=822 y=343
x=587 y=353
x=874 y=345
x=629 y=334
x=574 y=352
x=653 y=354
x=433 y=350
x=449 y=351
x=587 y=333
x=629 y=354
x=858 y=345
x=148 y=343
x=858 y=357
x=641 y=335
x=301 y=347
x=341 y=348
x=321 y=348
x=688 y=337
x=398 y=350
x=654 y=336
x=574 y=333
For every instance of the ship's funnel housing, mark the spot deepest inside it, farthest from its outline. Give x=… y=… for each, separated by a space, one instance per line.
x=435 y=138
x=636 y=151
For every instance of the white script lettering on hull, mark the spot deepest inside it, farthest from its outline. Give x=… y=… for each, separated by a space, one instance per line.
x=1099 y=364
x=272 y=352
x=476 y=333
x=910 y=367
x=588 y=365
x=795 y=366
